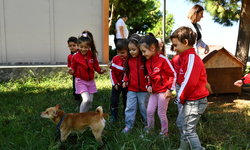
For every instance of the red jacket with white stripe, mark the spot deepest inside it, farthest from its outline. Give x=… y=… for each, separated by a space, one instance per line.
x=69 y=60
x=161 y=73
x=117 y=70
x=192 y=76
x=136 y=79
x=176 y=64
x=85 y=68
x=246 y=79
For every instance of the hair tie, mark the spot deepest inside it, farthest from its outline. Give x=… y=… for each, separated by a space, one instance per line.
x=134 y=39
x=84 y=35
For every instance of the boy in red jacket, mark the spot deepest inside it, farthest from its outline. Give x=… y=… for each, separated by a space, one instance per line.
x=73 y=47
x=116 y=76
x=193 y=93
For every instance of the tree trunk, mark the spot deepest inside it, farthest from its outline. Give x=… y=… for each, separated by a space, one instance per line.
x=111 y=16
x=242 y=48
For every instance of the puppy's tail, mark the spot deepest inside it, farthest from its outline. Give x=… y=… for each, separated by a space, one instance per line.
x=99 y=110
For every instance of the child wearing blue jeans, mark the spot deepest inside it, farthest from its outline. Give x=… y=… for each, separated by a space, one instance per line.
x=193 y=93
x=136 y=82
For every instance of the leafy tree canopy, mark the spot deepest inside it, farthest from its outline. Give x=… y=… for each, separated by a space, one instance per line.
x=143 y=16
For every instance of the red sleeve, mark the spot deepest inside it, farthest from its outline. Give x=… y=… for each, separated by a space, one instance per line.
x=69 y=60
x=246 y=79
x=73 y=64
x=96 y=66
x=112 y=75
x=169 y=69
x=125 y=78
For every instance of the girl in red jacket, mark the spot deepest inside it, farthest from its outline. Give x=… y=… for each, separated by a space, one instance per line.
x=84 y=64
x=136 y=82
x=162 y=78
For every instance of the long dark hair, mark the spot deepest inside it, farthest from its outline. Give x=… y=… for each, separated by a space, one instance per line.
x=135 y=39
x=87 y=36
x=148 y=41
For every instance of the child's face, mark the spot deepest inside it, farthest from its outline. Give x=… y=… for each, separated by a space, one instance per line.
x=178 y=46
x=133 y=50
x=122 y=53
x=73 y=47
x=84 y=48
x=148 y=53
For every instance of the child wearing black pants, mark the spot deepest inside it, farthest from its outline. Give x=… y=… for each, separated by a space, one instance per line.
x=116 y=76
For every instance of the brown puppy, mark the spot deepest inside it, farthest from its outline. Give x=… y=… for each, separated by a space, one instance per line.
x=77 y=121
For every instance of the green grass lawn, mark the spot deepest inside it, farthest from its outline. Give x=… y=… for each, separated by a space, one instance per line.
x=21 y=127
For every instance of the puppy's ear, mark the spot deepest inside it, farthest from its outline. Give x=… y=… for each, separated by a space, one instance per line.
x=57 y=106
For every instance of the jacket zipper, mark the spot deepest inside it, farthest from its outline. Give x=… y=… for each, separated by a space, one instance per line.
x=161 y=80
x=151 y=74
x=88 y=68
x=138 y=74
x=80 y=70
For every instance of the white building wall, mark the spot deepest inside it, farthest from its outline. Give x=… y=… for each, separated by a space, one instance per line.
x=38 y=30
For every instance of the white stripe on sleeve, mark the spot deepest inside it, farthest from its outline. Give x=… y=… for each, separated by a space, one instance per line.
x=187 y=74
x=111 y=77
x=117 y=66
x=172 y=68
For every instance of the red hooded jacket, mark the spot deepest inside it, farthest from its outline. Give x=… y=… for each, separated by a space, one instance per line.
x=161 y=74
x=136 y=80
x=117 y=70
x=192 y=76
x=85 y=68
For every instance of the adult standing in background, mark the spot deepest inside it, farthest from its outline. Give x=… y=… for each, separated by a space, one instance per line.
x=121 y=31
x=194 y=16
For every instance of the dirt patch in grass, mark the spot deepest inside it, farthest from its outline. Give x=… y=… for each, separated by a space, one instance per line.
x=232 y=102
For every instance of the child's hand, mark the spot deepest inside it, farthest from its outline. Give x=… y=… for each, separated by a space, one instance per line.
x=109 y=65
x=103 y=70
x=124 y=84
x=70 y=71
x=168 y=94
x=238 y=83
x=206 y=50
x=147 y=77
x=116 y=86
x=150 y=91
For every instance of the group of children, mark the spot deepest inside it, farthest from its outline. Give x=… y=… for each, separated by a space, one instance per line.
x=145 y=76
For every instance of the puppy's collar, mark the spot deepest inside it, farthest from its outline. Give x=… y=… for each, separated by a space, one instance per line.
x=59 y=124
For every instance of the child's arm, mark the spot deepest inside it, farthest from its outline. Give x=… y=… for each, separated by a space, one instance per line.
x=242 y=81
x=169 y=69
x=69 y=60
x=116 y=67
x=125 y=80
x=98 y=68
x=72 y=67
x=112 y=77
x=238 y=83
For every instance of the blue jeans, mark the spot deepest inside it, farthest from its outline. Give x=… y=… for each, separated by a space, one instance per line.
x=187 y=120
x=131 y=107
